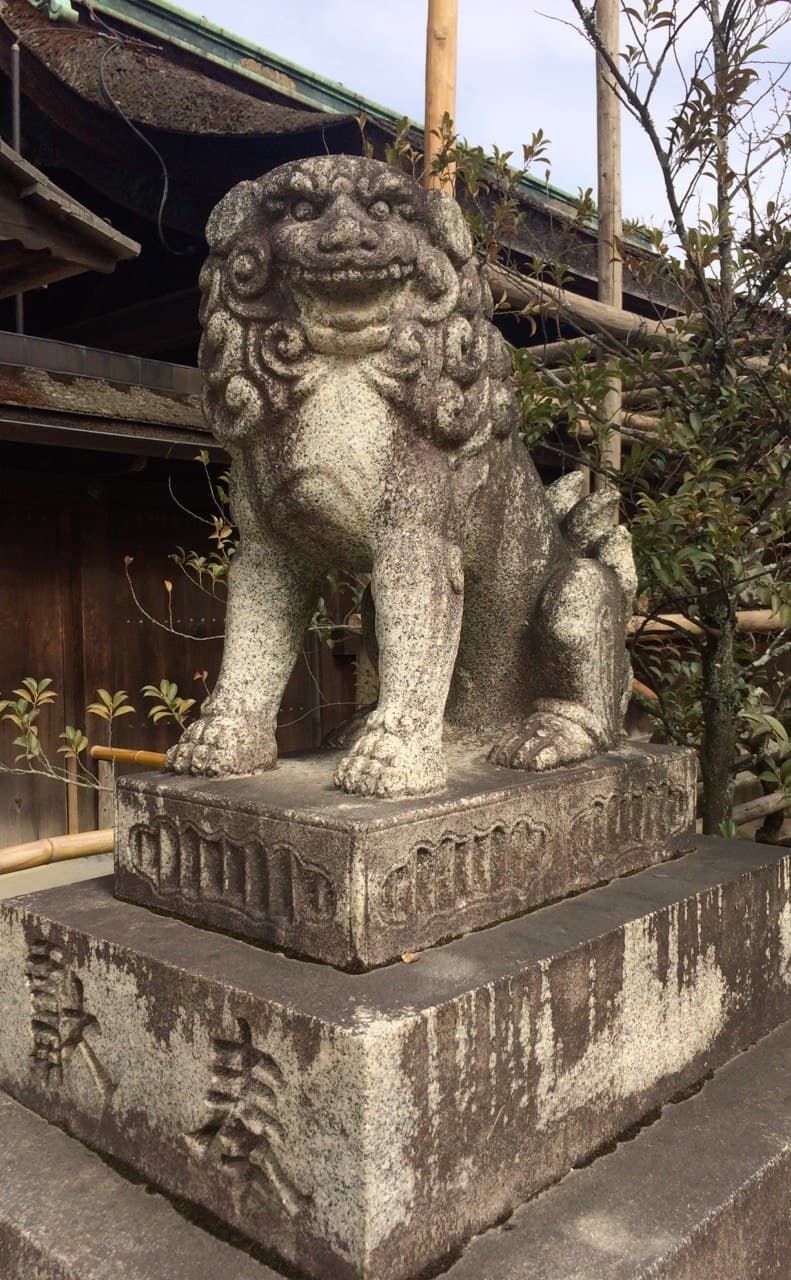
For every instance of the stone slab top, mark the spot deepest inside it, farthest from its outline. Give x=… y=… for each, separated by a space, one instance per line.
x=300 y=788
x=442 y=974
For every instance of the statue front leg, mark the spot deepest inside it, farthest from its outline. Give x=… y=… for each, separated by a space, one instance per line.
x=270 y=596
x=417 y=588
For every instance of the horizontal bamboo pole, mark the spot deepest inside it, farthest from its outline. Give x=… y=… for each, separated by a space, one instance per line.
x=524 y=292
x=761 y=807
x=555 y=353
x=120 y=755
x=18 y=857
x=753 y=621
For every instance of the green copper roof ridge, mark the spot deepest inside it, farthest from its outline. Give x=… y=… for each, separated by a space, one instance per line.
x=182 y=20
x=177 y=17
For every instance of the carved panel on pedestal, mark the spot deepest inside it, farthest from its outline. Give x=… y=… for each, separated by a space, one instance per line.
x=626 y=818
x=456 y=870
x=258 y=880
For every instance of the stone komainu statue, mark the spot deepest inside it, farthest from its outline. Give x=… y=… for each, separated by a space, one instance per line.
x=352 y=371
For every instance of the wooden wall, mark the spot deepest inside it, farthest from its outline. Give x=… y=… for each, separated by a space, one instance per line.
x=67 y=521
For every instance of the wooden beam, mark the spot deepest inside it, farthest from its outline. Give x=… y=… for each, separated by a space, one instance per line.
x=441 y=38
x=97 y=397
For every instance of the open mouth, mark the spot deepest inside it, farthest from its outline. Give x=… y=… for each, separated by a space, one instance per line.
x=351 y=275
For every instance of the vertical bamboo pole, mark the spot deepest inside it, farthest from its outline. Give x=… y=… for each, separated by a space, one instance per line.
x=441 y=39
x=16 y=143
x=608 y=146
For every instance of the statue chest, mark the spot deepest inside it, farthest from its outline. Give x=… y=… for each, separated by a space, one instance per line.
x=334 y=460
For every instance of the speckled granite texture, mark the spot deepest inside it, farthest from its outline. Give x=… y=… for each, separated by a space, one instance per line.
x=366 y=1126
x=356 y=881
x=352 y=371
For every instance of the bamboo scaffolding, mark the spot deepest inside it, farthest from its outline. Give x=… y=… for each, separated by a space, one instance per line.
x=761 y=807
x=523 y=293
x=751 y=621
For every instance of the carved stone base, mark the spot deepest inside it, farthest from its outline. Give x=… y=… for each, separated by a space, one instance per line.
x=286 y=859
x=703 y=1191
x=364 y=1126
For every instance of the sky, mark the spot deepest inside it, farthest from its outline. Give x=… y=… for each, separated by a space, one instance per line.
x=521 y=67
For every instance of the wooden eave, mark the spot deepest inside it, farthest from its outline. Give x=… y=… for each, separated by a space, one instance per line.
x=56 y=393
x=45 y=234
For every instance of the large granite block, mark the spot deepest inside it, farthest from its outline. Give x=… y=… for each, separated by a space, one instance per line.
x=284 y=859
x=365 y=1126
x=704 y=1191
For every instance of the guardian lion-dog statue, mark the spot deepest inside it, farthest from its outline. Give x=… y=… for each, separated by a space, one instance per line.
x=352 y=371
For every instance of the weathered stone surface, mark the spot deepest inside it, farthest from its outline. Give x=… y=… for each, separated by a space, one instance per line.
x=66 y=1215
x=365 y=1126
x=283 y=859
x=352 y=371
x=705 y=1191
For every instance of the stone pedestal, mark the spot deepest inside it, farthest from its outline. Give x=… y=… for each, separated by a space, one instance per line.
x=364 y=1127
x=285 y=859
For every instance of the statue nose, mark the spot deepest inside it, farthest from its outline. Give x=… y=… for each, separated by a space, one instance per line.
x=347 y=231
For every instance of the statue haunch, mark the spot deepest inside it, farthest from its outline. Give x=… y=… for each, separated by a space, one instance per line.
x=352 y=371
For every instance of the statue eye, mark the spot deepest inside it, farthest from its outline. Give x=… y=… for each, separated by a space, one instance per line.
x=243 y=266
x=304 y=211
x=380 y=210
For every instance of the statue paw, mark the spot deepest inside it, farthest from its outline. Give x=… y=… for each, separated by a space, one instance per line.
x=545 y=741
x=222 y=746
x=388 y=765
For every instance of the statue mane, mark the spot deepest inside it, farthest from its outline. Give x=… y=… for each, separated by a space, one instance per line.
x=266 y=338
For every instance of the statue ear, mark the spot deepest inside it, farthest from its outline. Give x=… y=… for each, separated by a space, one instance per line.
x=449 y=225
x=229 y=215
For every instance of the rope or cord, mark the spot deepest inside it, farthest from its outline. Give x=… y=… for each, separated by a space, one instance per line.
x=118 y=43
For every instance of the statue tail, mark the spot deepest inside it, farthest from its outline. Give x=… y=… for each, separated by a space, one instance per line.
x=588 y=524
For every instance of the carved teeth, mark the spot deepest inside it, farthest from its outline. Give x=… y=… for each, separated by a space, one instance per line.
x=394 y=271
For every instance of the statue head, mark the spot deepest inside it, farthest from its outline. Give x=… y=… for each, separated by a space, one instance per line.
x=344 y=255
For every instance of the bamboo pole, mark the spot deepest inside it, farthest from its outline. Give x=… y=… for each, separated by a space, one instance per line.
x=441 y=39
x=19 y=857
x=587 y=314
x=751 y=621
x=556 y=354
x=120 y=755
x=761 y=807
x=610 y=229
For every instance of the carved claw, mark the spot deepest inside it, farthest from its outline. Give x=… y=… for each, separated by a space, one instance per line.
x=387 y=765
x=221 y=746
x=545 y=741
